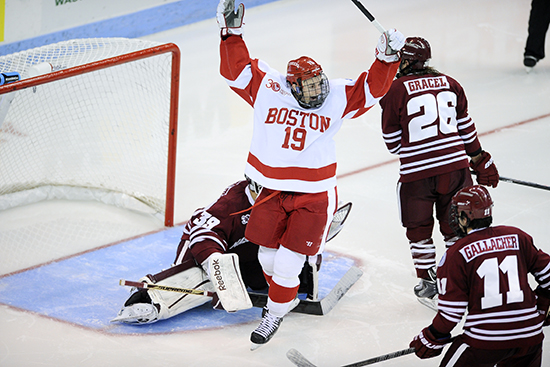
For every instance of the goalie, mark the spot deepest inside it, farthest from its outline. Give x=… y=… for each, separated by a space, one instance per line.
x=213 y=255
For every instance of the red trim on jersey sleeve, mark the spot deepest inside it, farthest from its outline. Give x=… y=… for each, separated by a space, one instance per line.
x=379 y=79
x=293 y=173
x=234 y=59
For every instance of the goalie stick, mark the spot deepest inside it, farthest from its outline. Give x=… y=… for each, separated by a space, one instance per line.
x=317 y=307
x=369 y=16
x=143 y=285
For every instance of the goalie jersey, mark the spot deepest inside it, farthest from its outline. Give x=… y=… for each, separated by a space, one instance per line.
x=216 y=228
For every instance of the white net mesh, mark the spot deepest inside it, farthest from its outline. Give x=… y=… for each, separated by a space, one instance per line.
x=100 y=136
x=105 y=130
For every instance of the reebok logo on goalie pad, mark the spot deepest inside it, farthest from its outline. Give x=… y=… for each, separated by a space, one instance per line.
x=218 y=275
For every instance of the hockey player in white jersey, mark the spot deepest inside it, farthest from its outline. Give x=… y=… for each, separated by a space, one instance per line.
x=292 y=154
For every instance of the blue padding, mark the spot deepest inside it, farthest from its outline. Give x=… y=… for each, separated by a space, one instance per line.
x=135 y=25
x=84 y=289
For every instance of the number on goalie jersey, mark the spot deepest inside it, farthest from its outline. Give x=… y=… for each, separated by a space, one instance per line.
x=484 y=276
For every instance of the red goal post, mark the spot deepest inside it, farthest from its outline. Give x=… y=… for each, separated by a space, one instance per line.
x=102 y=128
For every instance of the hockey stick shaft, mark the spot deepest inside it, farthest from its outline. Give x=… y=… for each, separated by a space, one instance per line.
x=381 y=358
x=299 y=360
x=524 y=183
x=520 y=182
x=369 y=16
x=195 y=292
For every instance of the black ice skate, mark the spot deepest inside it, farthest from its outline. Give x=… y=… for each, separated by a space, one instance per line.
x=265 y=331
x=529 y=62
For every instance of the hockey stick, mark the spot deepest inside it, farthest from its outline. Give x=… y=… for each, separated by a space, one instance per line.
x=299 y=360
x=196 y=292
x=338 y=221
x=369 y=16
x=519 y=182
x=524 y=183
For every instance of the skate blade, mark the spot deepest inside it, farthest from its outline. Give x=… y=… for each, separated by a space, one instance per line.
x=428 y=302
x=254 y=346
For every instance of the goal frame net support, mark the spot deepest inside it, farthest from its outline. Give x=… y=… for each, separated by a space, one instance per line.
x=90 y=67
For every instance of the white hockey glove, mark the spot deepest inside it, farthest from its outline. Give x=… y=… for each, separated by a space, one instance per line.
x=389 y=44
x=229 y=20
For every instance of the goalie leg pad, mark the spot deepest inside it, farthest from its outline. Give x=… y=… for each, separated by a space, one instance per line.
x=226 y=278
x=173 y=303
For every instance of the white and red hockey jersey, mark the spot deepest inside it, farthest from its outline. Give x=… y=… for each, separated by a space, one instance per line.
x=425 y=121
x=486 y=274
x=293 y=148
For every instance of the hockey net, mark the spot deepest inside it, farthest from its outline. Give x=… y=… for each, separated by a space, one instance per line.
x=91 y=119
x=91 y=122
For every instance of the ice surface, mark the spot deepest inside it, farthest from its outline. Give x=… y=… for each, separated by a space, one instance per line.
x=480 y=43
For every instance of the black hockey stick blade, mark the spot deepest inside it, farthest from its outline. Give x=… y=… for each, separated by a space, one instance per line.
x=317 y=307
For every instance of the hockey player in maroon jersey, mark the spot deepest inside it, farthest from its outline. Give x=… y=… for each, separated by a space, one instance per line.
x=425 y=121
x=484 y=276
x=292 y=153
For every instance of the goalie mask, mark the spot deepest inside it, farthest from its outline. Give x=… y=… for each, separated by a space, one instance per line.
x=472 y=204
x=308 y=83
x=417 y=52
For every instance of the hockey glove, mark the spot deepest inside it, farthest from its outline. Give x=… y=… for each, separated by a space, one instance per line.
x=543 y=303
x=426 y=345
x=389 y=44
x=485 y=170
x=229 y=20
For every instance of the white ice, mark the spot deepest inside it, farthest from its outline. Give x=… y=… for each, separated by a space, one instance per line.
x=479 y=42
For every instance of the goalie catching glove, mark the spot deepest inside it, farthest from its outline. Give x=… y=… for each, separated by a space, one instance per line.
x=485 y=170
x=389 y=45
x=229 y=20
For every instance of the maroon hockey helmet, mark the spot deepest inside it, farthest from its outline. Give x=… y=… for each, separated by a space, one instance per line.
x=307 y=81
x=417 y=52
x=473 y=202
